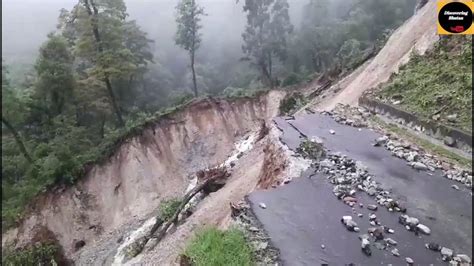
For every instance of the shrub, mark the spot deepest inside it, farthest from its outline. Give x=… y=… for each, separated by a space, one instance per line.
x=311 y=150
x=38 y=254
x=292 y=103
x=438 y=82
x=168 y=208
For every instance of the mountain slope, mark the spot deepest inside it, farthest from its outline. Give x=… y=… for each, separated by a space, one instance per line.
x=418 y=33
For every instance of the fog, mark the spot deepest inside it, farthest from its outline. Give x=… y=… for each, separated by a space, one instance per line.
x=26 y=23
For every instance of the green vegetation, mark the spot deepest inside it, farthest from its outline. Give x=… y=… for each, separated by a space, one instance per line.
x=338 y=35
x=188 y=18
x=40 y=254
x=292 y=103
x=266 y=35
x=96 y=82
x=234 y=93
x=437 y=84
x=295 y=78
x=61 y=160
x=311 y=150
x=214 y=247
x=429 y=147
x=168 y=208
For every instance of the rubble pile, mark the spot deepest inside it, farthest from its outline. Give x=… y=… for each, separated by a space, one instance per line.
x=244 y=219
x=415 y=157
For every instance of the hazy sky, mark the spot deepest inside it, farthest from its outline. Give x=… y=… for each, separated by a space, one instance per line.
x=25 y=24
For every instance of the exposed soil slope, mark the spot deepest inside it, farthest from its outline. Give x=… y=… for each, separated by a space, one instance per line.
x=418 y=33
x=145 y=170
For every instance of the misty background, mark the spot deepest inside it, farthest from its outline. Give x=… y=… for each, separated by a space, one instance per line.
x=67 y=102
x=26 y=23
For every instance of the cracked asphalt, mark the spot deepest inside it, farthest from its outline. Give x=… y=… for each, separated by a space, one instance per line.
x=305 y=214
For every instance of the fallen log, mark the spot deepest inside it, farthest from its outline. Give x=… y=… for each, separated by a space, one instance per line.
x=159 y=234
x=159 y=229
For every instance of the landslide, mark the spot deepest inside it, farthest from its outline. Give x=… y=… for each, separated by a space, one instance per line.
x=417 y=34
x=146 y=169
x=437 y=85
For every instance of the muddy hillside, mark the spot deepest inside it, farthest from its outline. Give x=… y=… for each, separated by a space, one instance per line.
x=146 y=169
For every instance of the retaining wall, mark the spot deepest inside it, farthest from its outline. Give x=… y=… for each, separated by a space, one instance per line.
x=463 y=140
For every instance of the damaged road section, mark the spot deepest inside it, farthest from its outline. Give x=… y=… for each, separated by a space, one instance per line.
x=310 y=225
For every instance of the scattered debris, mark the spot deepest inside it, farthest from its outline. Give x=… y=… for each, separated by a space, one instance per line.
x=376 y=232
x=372 y=207
x=311 y=150
x=464 y=258
x=446 y=253
x=424 y=229
x=349 y=223
x=380 y=246
x=366 y=246
x=419 y=166
x=395 y=252
x=390 y=241
x=372 y=217
x=244 y=218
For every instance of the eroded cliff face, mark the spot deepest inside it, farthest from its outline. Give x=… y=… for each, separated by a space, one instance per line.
x=146 y=169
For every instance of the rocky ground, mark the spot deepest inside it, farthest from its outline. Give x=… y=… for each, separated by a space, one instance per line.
x=244 y=219
x=353 y=184
x=413 y=154
x=348 y=176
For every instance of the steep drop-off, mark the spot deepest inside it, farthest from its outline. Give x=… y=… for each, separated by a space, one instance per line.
x=147 y=168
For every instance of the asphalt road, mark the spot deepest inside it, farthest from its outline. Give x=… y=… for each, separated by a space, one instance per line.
x=303 y=215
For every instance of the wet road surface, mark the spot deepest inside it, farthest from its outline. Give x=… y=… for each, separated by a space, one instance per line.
x=303 y=215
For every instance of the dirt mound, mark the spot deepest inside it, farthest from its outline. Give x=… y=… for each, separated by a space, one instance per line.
x=145 y=170
x=416 y=34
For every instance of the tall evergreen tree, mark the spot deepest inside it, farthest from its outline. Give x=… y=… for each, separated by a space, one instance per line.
x=266 y=34
x=188 y=36
x=55 y=84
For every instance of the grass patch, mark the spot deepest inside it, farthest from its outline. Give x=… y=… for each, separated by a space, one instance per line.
x=425 y=144
x=438 y=83
x=214 y=247
x=168 y=208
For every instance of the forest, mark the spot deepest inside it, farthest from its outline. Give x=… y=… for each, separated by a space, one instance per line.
x=100 y=75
